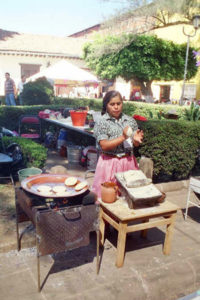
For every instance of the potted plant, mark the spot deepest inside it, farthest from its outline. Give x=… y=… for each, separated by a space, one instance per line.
x=78 y=117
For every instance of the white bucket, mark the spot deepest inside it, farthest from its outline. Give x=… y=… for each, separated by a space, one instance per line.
x=91 y=160
x=74 y=154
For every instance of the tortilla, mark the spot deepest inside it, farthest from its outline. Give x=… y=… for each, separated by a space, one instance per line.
x=70 y=181
x=46 y=189
x=81 y=186
x=59 y=189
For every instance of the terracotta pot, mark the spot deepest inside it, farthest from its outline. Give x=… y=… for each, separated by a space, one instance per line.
x=109 y=191
x=78 y=117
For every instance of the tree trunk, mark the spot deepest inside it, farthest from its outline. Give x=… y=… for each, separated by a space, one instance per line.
x=145 y=89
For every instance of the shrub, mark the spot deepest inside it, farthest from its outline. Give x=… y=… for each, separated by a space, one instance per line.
x=34 y=154
x=193 y=113
x=12 y=113
x=150 y=111
x=38 y=92
x=172 y=149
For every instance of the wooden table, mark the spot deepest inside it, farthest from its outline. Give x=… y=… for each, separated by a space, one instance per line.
x=119 y=216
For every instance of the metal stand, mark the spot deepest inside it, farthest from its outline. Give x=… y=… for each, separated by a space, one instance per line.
x=59 y=230
x=186 y=63
x=194 y=185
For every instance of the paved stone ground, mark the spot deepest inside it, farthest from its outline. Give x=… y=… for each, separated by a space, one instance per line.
x=147 y=274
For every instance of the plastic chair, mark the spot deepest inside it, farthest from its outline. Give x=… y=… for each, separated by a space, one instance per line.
x=30 y=127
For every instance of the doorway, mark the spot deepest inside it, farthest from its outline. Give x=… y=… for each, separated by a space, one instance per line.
x=164 y=93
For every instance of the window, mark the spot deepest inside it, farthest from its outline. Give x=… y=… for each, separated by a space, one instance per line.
x=29 y=69
x=190 y=91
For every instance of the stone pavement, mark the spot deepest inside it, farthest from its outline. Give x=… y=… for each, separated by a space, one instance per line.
x=147 y=274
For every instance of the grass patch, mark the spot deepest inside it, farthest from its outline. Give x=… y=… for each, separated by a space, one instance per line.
x=7 y=201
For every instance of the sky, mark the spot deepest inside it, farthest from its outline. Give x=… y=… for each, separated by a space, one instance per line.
x=55 y=17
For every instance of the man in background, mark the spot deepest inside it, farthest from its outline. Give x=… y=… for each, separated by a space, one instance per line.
x=10 y=90
x=20 y=89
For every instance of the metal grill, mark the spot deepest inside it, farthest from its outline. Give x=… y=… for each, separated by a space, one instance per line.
x=64 y=227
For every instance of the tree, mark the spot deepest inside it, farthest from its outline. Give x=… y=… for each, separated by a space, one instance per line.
x=38 y=92
x=158 y=13
x=144 y=59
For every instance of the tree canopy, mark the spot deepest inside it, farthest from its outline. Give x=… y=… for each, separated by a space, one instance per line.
x=38 y=92
x=144 y=59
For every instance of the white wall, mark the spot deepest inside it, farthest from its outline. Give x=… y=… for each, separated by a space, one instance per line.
x=11 y=64
x=123 y=87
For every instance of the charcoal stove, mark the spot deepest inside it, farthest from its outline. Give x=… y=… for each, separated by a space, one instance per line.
x=61 y=223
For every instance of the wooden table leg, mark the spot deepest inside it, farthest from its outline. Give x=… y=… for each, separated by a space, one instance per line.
x=102 y=227
x=144 y=232
x=121 y=243
x=98 y=240
x=168 y=235
x=18 y=237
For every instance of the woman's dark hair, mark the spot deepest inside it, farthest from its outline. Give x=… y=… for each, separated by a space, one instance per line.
x=106 y=99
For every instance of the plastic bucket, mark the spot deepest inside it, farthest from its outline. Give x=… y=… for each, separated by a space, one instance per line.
x=74 y=154
x=91 y=160
x=78 y=117
x=24 y=173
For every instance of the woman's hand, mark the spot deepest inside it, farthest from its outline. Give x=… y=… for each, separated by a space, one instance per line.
x=138 y=137
x=127 y=132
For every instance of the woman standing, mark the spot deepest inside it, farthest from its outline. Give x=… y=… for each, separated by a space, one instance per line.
x=116 y=141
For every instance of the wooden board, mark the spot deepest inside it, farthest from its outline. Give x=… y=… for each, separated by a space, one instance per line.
x=121 y=210
x=136 y=196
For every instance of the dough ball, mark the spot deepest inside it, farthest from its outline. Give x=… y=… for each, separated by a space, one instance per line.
x=129 y=132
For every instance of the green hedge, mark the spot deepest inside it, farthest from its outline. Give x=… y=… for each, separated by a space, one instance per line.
x=173 y=147
x=172 y=144
x=12 y=113
x=34 y=154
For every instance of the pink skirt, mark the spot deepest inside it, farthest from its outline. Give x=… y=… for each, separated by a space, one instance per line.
x=108 y=166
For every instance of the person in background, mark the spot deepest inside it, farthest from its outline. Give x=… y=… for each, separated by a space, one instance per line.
x=10 y=90
x=20 y=88
x=116 y=134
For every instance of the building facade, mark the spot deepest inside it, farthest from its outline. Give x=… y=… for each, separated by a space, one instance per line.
x=27 y=54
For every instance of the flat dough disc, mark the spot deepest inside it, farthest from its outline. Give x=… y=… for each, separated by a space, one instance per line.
x=59 y=189
x=44 y=189
x=70 y=181
x=80 y=186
